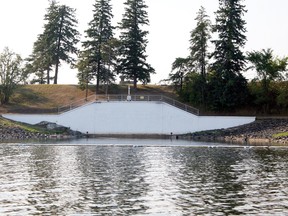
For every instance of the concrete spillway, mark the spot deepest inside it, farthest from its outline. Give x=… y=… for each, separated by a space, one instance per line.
x=135 y=117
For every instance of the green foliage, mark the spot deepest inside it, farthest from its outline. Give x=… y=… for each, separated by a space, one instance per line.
x=279 y=135
x=193 y=69
x=98 y=57
x=282 y=98
x=57 y=42
x=200 y=37
x=11 y=73
x=40 y=61
x=268 y=68
x=194 y=89
x=132 y=62
x=179 y=70
x=229 y=59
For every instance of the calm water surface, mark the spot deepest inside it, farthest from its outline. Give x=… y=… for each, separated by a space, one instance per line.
x=142 y=177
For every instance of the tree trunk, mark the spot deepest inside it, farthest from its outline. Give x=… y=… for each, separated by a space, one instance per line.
x=58 y=50
x=97 y=83
x=48 y=76
x=135 y=83
x=56 y=73
x=98 y=76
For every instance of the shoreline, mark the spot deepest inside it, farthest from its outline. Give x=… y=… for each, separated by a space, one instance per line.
x=260 y=132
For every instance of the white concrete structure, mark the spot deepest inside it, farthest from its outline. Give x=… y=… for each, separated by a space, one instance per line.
x=133 y=117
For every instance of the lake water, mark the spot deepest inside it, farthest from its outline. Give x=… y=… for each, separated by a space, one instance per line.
x=142 y=177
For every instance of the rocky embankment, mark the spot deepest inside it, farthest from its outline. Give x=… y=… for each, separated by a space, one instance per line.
x=16 y=133
x=262 y=131
x=10 y=130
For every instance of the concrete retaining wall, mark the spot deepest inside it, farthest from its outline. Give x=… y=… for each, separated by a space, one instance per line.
x=133 y=118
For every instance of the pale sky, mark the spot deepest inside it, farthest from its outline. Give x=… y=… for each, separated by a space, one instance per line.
x=171 y=22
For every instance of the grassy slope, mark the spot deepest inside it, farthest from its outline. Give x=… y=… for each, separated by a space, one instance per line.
x=9 y=124
x=46 y=98
x=43 y=98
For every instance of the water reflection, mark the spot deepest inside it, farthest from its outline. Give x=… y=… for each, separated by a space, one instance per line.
x=133 y=178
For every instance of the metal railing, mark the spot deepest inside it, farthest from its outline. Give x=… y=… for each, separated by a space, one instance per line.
x=76 y=104
x=123 y=97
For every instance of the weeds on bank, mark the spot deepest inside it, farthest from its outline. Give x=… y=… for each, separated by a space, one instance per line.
x=279 y=135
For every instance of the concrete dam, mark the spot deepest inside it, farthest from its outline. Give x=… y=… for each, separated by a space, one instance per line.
x=133 y=117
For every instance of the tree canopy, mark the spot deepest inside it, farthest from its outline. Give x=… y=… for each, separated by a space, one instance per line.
x=57 y=42
x=98 y=48
x=228 y=88
x=132 y=61
x=11 y=73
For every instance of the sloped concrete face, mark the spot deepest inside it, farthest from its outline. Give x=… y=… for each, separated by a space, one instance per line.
x=133 y=118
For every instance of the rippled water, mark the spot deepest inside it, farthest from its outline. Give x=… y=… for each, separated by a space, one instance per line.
x=147 y=177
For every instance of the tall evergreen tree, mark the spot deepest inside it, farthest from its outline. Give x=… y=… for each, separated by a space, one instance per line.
x=228 y=86
x=199 y=39
x=65 y=37
x=40 y=61
x=98 y=44
x=198 y=58
x=132 y=64
x=57 y=42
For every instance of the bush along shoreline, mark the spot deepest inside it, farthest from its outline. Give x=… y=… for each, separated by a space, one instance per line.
x=263 y=131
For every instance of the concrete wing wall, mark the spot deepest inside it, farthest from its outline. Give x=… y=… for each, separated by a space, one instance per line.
x=133 y=118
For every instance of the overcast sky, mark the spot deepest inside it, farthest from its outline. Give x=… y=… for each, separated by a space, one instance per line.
x=171 y=22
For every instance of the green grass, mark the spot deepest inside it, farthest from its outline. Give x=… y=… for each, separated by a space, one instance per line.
x=47 y=98
x=279 y=135
x=6 y=123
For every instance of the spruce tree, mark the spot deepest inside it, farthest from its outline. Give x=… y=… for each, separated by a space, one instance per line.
x=199 y=56
x=98 y=44
x=58 y=41
x=199 y=39
x=132 y=64
x=228 y=87
x=65 y=37
x=40 y=61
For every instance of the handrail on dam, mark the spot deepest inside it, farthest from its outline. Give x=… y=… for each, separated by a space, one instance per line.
x=123 y=97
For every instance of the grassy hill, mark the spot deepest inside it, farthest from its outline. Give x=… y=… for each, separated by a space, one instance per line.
x=47 y=98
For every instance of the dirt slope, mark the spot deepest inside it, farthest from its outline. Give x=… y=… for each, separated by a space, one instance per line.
x=47 y=98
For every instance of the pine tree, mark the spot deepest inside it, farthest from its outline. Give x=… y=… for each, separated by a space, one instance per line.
x=98 y=44
x=40 y=61
x=199 y=39
x=65 y=37
x=132 y=64
x=57 y=42
x=198 y=59
x=228 y=87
